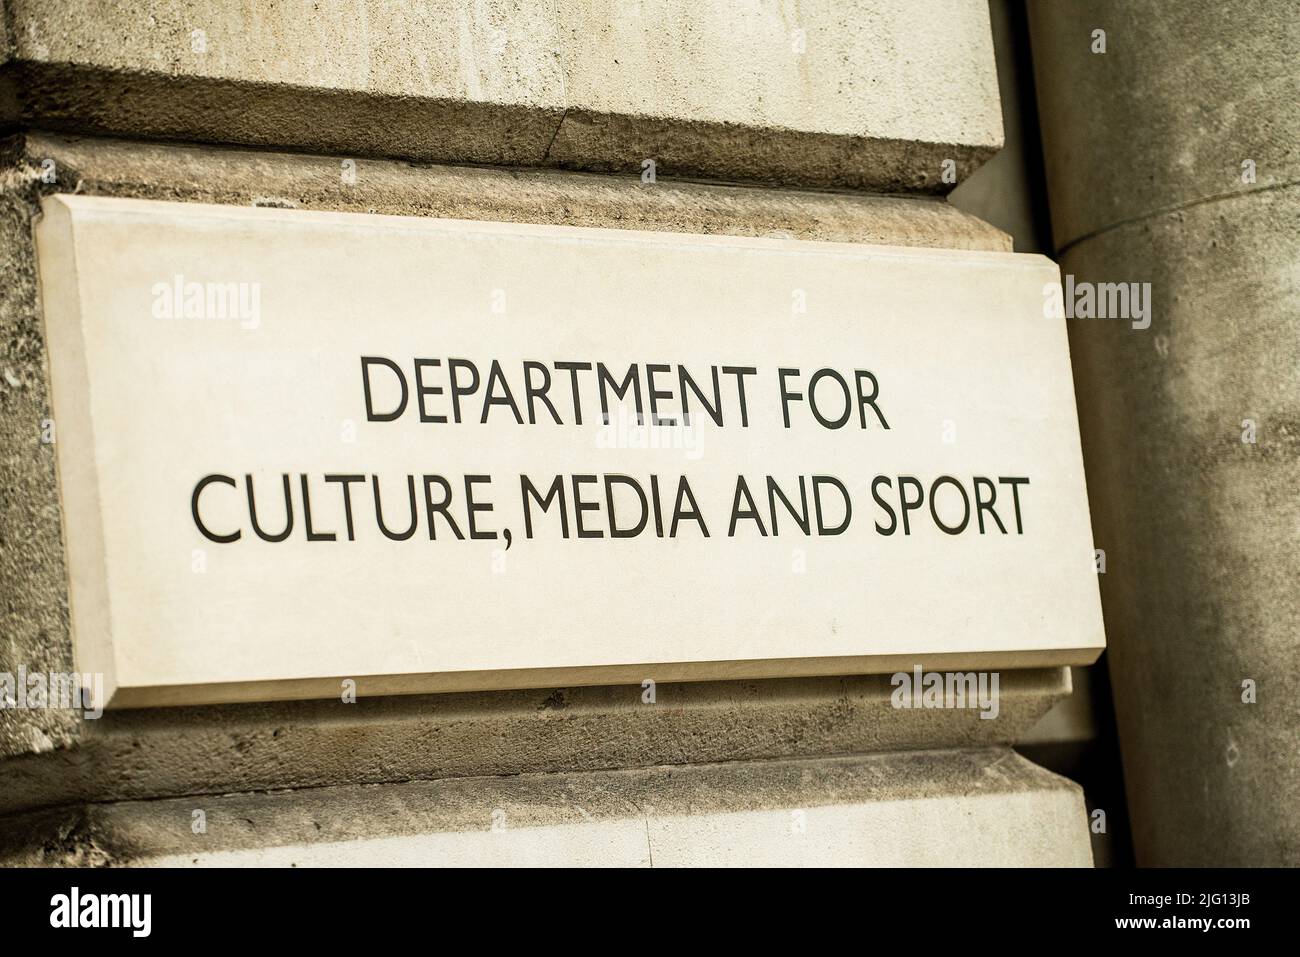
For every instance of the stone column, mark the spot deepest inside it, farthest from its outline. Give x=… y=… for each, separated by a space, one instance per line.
x=1170 y=144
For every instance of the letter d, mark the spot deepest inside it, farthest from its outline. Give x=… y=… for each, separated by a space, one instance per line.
x=371 y=414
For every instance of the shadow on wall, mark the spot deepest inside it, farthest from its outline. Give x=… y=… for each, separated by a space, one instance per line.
x=1010 y=190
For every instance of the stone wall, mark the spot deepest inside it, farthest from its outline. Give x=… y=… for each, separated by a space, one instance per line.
x=822 y=121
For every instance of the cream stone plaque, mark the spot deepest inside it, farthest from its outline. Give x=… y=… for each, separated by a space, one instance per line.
x=300 y=452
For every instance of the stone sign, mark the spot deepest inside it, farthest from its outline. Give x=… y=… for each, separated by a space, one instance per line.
x=307 y=453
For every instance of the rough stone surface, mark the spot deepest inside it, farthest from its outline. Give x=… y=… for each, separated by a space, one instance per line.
x=475 y=83
x=241 y=177
x=820 y=92
x=158 y=752
x=33 y=582
x=983 y=807
x=1184 y=93
x=1201 y=529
